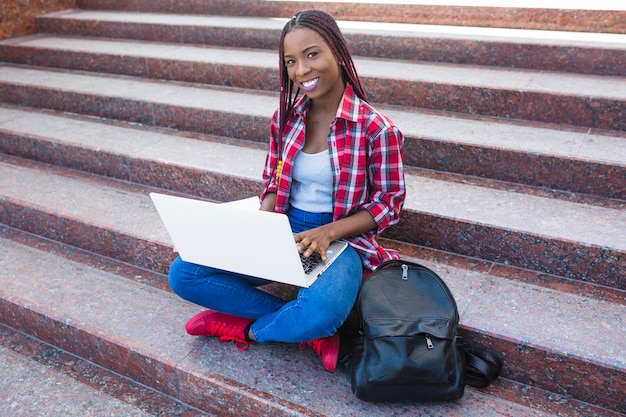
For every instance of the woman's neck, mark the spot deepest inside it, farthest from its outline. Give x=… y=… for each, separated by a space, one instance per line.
x=328 y=105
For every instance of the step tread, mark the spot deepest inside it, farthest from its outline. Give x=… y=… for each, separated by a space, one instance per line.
x=36 y=390
x=596 y=86
x=602 y=17
x=210 y=98
x=540 y=139
x=135 y=142
x=544 y=37
x=525 y=4
x=103 y=304
x=583 y=223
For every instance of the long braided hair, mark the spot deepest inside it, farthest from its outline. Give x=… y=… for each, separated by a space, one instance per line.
x=324 y=25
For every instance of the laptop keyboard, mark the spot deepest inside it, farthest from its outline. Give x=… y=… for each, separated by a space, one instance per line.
x=309 y=263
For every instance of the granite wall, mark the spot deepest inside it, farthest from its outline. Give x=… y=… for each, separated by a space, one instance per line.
x=17 y=17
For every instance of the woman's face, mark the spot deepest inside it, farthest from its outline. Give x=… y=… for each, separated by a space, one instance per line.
x=311 y=64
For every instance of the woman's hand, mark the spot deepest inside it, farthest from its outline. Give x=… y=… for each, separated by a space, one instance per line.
x=314 y=240
x=318 y=239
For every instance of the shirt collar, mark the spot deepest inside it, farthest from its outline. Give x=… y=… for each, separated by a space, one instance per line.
x=349 y=105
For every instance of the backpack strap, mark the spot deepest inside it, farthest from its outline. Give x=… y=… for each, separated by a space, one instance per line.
x=482 y=367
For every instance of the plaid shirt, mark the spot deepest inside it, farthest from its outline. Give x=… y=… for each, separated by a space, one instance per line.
x=365 y=151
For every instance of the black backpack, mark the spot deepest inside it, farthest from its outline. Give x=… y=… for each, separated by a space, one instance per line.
x=410 y=349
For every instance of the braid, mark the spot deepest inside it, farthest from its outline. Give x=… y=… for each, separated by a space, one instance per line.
x=325 y=26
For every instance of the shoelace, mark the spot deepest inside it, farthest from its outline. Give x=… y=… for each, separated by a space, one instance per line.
x=228 y=334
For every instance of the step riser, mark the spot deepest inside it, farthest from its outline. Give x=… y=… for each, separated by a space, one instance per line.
x=522 y=276
x=554 y=373
x=153 y=114
x=521 y=18
x=159 y=253
x=597 y=265
x=508 y=104
x=517 y=167
x=109 y=243
x=511 y=104
x=214 y=394
x=505 y=165
x=583 y=60
x=68 y=369
x=523 y=56
x=159 y=69
x=198 y=35
x=190 y=181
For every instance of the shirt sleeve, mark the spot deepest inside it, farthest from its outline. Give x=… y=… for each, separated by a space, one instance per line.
x=272 y=159
x=386 y=175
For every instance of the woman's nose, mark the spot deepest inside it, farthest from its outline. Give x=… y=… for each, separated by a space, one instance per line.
x=302 y=68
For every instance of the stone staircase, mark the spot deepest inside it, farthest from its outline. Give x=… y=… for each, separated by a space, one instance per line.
x=515 y=125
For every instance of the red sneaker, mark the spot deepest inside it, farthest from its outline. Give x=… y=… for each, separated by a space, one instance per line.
x=225 y=326
x=327 y=348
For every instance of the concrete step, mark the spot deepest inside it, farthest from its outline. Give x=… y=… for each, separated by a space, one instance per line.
x=528 y=230
x=591 y=101
x=601 y=16
x=41 y=380
x=581 y=52
x=113 y=316
x=590 y=162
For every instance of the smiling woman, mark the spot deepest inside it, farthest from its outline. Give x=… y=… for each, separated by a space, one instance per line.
x=322 y=34
x=334 y=167
x=313 y=67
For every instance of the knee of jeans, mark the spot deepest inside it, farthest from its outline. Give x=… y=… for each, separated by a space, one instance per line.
x=175 y=276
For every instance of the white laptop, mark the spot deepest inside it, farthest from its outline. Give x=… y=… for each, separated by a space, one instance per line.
x=236 y=238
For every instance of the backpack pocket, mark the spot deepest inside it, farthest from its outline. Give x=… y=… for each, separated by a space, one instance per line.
x=410 y=352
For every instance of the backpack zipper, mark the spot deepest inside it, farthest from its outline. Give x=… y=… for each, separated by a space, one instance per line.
x=405 y=272
x=429 y=342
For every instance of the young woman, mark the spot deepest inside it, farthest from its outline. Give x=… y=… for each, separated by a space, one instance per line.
x=334 y=166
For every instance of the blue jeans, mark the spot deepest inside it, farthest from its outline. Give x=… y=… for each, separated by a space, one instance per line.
x=317 y=311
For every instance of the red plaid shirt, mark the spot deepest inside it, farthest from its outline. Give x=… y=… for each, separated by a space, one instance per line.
x=365 y=151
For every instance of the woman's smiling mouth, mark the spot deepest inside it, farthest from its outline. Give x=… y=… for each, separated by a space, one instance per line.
x=309 y=84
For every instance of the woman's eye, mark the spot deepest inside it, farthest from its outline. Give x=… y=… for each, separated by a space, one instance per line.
x=311 y=54
x=289 y=62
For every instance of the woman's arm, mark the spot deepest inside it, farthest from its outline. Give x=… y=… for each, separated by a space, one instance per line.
x=269 y=202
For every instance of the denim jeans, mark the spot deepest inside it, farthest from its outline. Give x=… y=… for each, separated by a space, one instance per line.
x=317 y=311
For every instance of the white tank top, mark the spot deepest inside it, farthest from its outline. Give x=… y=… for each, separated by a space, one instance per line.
x=312 y=183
